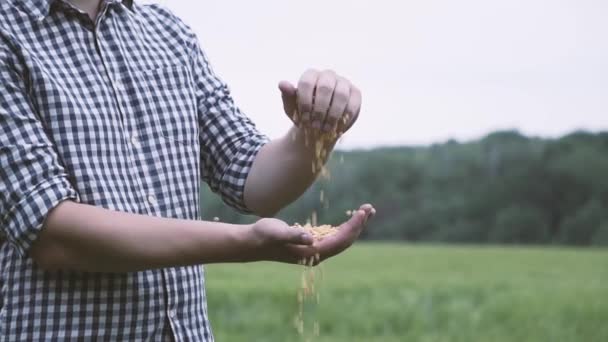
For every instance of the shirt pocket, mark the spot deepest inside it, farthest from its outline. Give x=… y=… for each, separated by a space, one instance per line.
x=172 y=100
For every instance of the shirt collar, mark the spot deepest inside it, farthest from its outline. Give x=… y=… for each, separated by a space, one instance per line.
x=41 y=8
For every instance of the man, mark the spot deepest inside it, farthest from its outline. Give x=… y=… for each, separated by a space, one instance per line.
x=109 y=117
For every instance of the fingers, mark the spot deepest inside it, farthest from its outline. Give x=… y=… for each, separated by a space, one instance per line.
x=324 y=91
x=355 y=224
x=297 y=236
x=351 y=113
x=344 y=238
x=338 y=105
x=306 y=88
x=368 y=208
x=324 y=101
x=348 y=233
x=289 y=96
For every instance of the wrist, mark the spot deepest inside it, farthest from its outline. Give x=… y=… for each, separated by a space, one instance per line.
x=247 y=243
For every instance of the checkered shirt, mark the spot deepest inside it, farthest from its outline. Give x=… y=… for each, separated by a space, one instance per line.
x=123 y=113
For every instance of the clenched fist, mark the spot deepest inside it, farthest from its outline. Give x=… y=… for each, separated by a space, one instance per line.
x=323 y=101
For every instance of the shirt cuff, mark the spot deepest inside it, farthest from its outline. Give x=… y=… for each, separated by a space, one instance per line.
x=235 y=176
x=24 y=221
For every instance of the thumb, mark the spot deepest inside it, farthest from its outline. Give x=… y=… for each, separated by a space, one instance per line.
x=289 y=96
x=297 y=236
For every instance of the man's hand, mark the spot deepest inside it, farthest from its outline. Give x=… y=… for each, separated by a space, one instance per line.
x=347 y=234
x=322 y=101
x=274 y=240
x=322 y=107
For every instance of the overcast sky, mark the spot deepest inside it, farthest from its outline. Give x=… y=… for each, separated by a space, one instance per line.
x=429 y=70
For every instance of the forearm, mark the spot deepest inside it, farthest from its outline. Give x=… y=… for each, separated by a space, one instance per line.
x=282 y=170
x=87 y=238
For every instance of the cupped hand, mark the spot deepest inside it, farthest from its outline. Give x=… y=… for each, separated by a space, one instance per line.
x=323 y=101
x=347 y=234
x=274 y=240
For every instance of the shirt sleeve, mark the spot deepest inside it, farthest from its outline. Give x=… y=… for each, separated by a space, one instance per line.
x=229 y=140
x=32 y=179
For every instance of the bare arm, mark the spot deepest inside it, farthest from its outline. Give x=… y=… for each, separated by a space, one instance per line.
x=281 y=172
x=87 y=238
x=325 y=106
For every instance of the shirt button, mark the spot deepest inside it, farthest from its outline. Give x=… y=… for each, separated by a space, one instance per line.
x=171 y=313
x=152 y=199
x=135 y=141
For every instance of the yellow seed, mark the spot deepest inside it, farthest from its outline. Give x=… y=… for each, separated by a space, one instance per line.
x=324 y=171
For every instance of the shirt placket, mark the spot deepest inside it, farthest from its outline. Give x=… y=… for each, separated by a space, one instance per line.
x=136 y=159
x=129 y=124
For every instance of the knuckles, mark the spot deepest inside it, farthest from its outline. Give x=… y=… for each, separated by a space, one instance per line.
x=311 y=71
x=306 y=85
x=325 y=89
x=317 y=91
x=329 y=73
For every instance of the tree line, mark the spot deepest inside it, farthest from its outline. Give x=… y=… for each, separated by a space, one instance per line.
x=503 y=188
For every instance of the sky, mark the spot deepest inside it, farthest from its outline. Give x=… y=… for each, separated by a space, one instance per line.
x=429 y=70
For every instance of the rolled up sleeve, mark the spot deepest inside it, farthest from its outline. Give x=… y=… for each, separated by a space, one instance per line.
x=32 y=179
x=229 y=139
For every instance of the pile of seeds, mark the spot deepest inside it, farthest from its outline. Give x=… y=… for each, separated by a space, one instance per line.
x=318 y=232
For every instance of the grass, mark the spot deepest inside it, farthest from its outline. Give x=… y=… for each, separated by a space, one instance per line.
x=390 y=292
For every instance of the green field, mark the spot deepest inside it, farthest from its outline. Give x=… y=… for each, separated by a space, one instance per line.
x=388 y=292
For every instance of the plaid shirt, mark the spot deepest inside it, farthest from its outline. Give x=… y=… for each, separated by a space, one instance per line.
x=123 y=113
